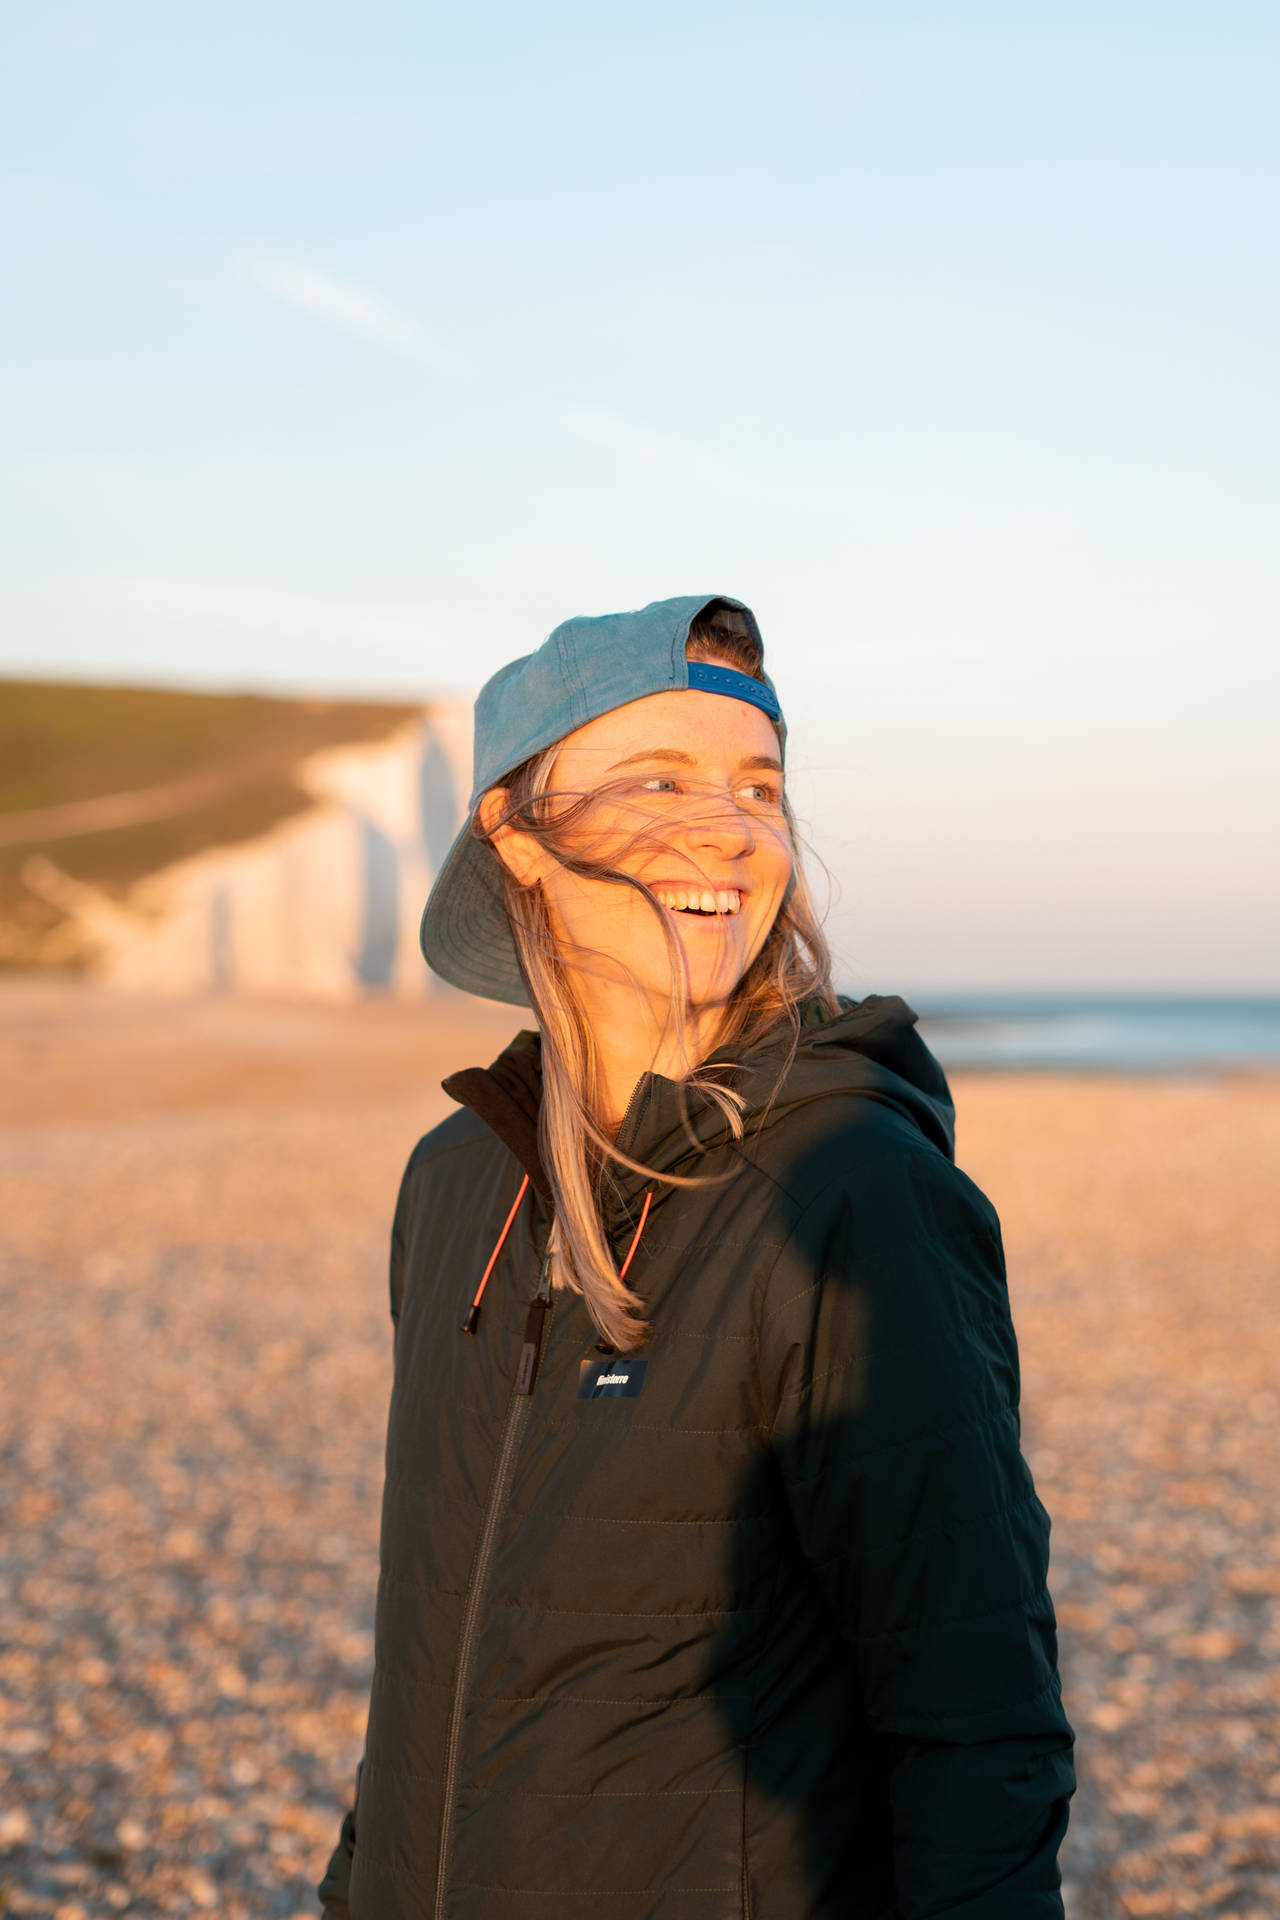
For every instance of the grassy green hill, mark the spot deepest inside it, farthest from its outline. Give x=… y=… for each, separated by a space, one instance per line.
x=210 y=769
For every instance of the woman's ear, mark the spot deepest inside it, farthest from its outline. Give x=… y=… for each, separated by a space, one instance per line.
x=520 y=852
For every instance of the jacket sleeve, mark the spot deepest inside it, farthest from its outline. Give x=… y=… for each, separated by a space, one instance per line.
x=888 y=1352
x=399 y=1231
x=332 y=1890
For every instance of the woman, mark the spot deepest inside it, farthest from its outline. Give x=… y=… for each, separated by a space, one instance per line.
x=713 y=1580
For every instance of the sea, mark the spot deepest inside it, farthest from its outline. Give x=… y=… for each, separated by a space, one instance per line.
x=1122 y=1033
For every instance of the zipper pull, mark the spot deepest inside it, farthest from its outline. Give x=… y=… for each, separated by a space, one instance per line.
x=527 y=1371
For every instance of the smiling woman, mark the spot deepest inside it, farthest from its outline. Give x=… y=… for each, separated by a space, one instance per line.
x=775 y=1643
x=657 y=916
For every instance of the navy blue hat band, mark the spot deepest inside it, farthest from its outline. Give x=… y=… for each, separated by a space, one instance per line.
x=707 y=678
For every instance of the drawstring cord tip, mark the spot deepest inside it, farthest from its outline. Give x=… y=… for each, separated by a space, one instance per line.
x=469 y=1324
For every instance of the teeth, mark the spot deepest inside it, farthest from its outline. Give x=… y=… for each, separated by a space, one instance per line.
x=688 y=900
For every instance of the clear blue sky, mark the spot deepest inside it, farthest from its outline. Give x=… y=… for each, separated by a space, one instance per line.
x=354 y=346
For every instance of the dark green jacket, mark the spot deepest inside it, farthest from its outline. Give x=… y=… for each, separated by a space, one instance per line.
x=768 y=1637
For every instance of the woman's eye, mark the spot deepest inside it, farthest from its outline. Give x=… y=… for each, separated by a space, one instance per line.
x=660 y=783
x=760 y=795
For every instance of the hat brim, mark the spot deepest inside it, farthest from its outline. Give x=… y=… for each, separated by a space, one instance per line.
x=465 y=934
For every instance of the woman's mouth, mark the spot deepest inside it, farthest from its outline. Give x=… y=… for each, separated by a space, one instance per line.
x=699 y=899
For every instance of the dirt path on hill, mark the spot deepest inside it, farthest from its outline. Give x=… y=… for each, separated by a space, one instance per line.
x=73 y=818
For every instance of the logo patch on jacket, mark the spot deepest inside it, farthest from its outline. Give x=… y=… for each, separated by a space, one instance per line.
x=617 y=1378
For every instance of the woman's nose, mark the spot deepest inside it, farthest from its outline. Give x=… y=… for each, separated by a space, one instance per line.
x=718 y=821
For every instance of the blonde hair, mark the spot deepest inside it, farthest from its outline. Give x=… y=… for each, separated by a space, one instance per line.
x=577 y=1153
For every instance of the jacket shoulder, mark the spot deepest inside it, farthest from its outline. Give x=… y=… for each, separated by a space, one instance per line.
x=458 y=1155
x=461 y=1132
x=889 y=1233
x=856 y=1150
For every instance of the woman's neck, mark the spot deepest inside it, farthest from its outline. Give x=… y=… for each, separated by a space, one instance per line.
x=630 y=1043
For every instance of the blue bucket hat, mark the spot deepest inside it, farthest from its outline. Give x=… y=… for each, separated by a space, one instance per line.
x=583 y=669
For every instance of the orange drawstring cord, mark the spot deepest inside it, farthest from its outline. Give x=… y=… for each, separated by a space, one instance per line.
x=603 y=1346
x=631 y=1251
x=473 y=1314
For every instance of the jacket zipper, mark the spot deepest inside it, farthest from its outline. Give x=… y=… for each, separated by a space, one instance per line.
x=639 y=1096
x=540 y=1309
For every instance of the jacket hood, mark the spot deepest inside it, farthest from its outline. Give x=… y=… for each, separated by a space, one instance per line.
x=869 y=1048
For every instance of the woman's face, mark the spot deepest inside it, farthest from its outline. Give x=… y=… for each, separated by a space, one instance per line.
x=689 y=801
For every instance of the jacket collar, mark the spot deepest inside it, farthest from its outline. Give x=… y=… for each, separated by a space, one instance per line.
x=507 y=1097
x=869 y=1048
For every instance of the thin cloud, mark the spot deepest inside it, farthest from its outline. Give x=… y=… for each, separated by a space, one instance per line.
x=356 y=310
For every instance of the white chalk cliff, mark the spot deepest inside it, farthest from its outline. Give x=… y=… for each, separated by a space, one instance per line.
x=325 y=904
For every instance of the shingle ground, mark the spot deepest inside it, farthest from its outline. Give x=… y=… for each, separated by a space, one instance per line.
x=194 y=1202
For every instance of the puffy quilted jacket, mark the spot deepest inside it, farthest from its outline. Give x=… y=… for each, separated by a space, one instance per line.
x=753 y=1623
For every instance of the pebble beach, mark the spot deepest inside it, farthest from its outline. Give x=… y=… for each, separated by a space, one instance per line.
x=195 y=1198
